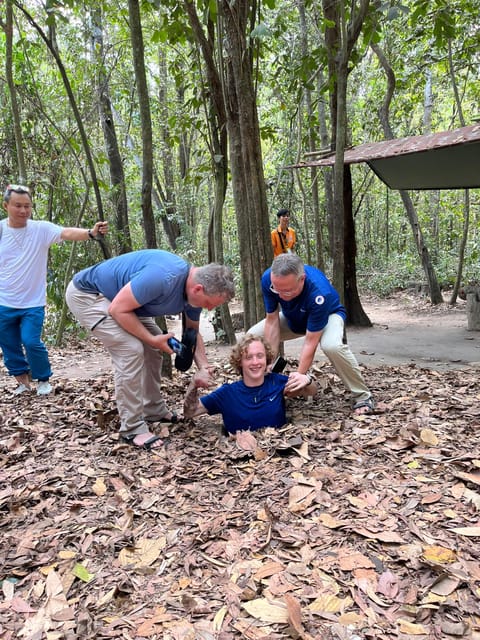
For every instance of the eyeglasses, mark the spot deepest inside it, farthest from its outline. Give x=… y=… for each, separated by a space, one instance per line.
x=285 y=294
x=18 y=188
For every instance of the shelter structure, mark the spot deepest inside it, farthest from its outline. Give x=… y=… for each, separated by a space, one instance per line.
x=445 y=160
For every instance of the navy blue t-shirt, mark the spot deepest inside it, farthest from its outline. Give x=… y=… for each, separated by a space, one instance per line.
x=310 y=310
x=249 y=408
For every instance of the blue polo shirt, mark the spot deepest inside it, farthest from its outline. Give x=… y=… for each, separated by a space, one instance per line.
x=157 y=278
x=249 y=408
x=310 y=310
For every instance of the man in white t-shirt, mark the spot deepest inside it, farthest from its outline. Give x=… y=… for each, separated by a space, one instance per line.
x=24 y=245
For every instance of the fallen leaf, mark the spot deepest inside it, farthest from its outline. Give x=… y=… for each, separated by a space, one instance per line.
x=81 y=572
x=384 y=536
x=427 y=436
x=349 y=561
x=330 y=604
x=439 y=555
x=294 y=614
x=329 y=521
x=99 y=487
x=300 y=497
x=473 y=532
x=468 y=477
x=409 y=627
x=266 y=611
x=445 y=586
x=145 y=552
x=246 y=440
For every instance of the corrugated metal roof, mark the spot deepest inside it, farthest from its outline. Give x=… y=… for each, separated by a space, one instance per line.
x=445 y=160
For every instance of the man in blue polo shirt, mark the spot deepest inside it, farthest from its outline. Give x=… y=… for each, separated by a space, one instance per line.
x=301 y=301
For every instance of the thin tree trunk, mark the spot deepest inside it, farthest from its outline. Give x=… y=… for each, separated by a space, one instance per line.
x=422 y=249
x=217 y=130
x=340 y=38
x=167 y=215
x=356 y=314
x=17 y=127
x=136 y=37
x=327 y=175
x=312 y=144
x=248 y=182
x=117 y=175
x=466 y=199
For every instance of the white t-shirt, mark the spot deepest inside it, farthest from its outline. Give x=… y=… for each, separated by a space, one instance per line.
x=23 y=262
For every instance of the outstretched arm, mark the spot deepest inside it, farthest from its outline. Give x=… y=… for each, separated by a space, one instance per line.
x=77 y=234
x=192 y=405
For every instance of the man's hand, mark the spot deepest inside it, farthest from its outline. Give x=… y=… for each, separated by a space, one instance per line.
x=296 y=382
x=100 y=228
x=203 y=377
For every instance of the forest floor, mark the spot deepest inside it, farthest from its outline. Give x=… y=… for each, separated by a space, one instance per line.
x=334 y=527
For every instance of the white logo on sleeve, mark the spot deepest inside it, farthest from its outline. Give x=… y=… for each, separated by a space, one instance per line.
x=319 y=300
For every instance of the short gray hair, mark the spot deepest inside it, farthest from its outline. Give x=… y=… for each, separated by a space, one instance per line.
x=216 y=279
x=286 y=264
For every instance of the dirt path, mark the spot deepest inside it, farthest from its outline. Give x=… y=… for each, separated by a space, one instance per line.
x=406 y=330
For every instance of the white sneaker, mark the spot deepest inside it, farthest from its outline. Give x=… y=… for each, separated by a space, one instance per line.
x=44 y=388
x=21 y=389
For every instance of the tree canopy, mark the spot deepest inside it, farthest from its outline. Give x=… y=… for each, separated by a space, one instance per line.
x=177 y=122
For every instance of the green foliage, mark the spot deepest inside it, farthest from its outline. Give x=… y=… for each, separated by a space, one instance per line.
x=290 y=70
x=399 y=274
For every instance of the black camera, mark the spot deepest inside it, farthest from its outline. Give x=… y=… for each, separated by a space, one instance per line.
x=279 y=365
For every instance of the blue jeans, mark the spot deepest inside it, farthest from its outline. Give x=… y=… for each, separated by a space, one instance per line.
x=21 y=342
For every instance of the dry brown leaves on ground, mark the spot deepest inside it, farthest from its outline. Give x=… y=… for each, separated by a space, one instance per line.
x=333 y=527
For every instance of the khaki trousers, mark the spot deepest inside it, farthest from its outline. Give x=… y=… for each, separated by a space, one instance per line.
x=339 y=354
x=137 y=367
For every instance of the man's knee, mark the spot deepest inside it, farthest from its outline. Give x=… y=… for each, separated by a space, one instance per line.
x=257 y=329
x=331 y=348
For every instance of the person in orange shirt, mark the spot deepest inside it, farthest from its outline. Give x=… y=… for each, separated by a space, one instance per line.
x=284 y=238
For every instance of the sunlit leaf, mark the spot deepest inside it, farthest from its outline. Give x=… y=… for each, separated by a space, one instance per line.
x=266 y=611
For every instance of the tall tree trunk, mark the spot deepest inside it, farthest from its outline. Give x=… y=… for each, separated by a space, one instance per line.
x=17 y=127
x=466 y=200
x=422 y=249
x=312 y=145
x=136 y=38
x=169 y=209
x=218 y=139
x=340 y=38
x=248 y=183
x=327 y=174
x=356 y=315
x=117 y=175
x=434 y=194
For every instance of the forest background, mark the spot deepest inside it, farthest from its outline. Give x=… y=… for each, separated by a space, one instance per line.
x=178 y=122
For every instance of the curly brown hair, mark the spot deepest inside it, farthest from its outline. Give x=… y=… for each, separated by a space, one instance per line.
x=240 y=349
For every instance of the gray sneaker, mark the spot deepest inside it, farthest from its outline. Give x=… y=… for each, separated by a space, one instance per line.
x=44 y=388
